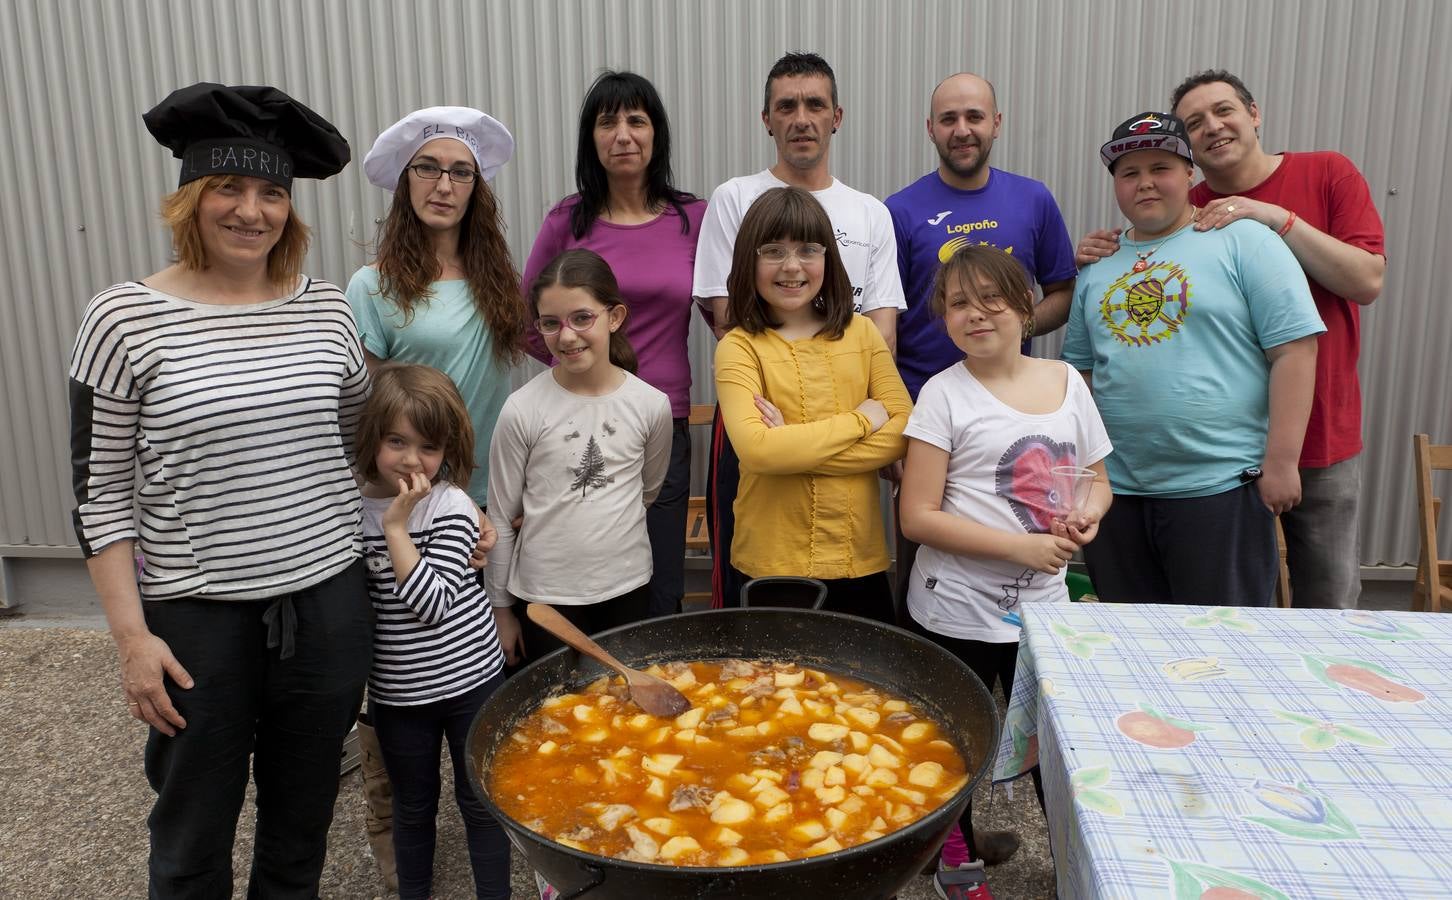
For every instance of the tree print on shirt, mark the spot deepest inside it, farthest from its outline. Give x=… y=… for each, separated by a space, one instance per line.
x=591 y=471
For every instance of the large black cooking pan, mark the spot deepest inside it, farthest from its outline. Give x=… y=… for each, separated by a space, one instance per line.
x=895 y=659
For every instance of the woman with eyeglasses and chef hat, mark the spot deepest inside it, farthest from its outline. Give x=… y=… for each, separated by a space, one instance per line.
x=442 y=290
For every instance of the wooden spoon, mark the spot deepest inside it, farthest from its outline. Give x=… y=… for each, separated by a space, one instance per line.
x=651 y=694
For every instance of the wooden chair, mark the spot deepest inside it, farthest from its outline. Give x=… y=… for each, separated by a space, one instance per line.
x=1283 y=575
x=1432 y=591
x=698 y=535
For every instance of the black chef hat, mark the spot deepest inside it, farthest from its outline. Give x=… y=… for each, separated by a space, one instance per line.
x=246 y=130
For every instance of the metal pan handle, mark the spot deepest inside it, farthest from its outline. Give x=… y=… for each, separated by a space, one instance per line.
x=597 y=878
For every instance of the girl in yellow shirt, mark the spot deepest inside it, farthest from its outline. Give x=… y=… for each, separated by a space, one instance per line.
x=813 y=404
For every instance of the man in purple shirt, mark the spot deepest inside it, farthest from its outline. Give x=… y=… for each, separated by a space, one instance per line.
x=966 y=201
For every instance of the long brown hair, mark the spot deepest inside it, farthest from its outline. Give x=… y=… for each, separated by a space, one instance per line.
x=1000 y=270
x=179 y=211
x=787 y=214
x=407 y=265
x=430 y=402
x=584 y=269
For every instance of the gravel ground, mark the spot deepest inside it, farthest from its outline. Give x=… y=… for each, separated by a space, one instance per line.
x=73 y=799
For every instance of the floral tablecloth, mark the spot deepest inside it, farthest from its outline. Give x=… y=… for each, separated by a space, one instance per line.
x=1219 y=753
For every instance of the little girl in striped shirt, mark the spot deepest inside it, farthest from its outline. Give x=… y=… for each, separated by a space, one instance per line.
x=436 y=650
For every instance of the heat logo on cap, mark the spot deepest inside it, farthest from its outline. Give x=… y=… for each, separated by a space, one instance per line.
x=1147 y=124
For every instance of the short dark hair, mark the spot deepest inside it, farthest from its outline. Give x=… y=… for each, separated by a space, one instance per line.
x=1001 y=270
x=1210 y=76
x=430 y=402
x=786 y=214
x=588 y=271
x=613 y=92
x=794 y=64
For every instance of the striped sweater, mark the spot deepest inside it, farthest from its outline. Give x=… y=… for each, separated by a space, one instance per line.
x=433 y=636
x=240 y=419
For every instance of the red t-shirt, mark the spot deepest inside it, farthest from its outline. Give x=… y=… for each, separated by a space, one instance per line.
x=1327 y=191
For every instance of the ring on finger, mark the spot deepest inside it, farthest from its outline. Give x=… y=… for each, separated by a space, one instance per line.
x=1230 y=207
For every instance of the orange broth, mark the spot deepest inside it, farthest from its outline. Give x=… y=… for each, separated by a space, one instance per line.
x=772 y=762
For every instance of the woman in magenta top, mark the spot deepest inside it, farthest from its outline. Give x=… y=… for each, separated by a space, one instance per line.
x=629 y=212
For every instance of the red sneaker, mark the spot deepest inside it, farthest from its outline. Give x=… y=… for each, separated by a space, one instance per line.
x=967 y=882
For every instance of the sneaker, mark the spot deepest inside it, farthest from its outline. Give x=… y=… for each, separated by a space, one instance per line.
x=966 y=882
x=545 y=891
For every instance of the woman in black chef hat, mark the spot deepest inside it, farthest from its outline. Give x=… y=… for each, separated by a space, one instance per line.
x=231 y=383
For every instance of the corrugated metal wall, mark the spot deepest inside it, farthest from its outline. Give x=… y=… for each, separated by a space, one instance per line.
x=80 y=178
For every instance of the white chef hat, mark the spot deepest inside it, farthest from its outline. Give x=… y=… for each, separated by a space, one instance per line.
x=489 y=141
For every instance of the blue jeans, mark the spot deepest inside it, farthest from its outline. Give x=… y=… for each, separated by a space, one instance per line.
x=722 y=481
x=411 y=740
x=665 y=520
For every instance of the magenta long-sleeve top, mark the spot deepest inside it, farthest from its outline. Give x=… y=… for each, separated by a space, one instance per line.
x=653 y=263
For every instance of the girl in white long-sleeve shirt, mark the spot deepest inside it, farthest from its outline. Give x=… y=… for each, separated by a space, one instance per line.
x=579 y=452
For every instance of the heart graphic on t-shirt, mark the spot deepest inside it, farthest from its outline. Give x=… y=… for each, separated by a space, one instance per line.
x=1025 y=478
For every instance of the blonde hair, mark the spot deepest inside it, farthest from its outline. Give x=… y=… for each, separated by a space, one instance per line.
x=430 y=402
x=179 y=211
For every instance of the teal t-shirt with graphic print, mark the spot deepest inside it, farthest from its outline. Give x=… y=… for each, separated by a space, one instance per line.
x=1177 y=353
x=445 y=332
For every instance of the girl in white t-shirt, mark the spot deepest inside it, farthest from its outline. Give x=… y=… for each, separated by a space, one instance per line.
x=579 y=452
x=436 y=646
x=976 y=488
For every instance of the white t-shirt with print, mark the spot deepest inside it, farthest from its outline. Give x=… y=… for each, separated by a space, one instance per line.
x=999 y=461
x=862 y=224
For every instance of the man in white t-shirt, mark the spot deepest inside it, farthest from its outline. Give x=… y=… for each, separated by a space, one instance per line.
x=801 y=114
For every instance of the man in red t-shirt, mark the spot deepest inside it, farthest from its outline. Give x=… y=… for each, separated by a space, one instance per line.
x=1321 y=206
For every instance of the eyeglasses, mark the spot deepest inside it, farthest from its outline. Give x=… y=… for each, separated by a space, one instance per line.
x=776 y=254
x=431 y=172
x=580 y=320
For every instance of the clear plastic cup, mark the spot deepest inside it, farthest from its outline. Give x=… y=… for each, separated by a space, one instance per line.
x=1070 y=489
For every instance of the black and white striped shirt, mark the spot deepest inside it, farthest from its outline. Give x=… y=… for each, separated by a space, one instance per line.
x=433 y=635
x=241 y=419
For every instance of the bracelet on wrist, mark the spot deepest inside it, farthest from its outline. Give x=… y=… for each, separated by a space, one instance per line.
x=1290 y=220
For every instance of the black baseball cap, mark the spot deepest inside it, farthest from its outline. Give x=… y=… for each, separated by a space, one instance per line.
x=252 y=130
x=1148 y=131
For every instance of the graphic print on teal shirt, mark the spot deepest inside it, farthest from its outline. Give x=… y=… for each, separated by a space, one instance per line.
x=1147 y=307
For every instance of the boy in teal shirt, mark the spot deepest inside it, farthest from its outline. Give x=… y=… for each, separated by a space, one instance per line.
x=1200 y=349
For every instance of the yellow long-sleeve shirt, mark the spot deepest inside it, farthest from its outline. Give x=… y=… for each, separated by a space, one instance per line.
x=808 y=503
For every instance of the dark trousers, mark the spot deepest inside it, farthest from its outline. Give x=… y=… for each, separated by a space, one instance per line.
x=907 y=554
x=1211 y=551
x=992 y=663
x=287 y=717
x=591 y=618
x=869 y=596
x=722 y=480
x=411 y=738
x=665 y=520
